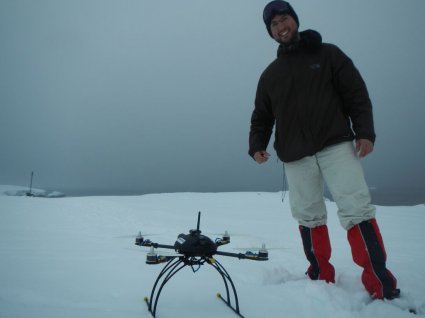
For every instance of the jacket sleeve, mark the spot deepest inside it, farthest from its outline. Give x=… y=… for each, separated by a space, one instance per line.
x=353 y=90
x=262 y=120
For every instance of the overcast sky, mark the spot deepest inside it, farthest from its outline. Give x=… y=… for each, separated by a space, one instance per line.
x=137 y=96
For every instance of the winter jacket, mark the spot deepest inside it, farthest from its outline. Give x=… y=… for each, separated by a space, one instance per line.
x=314 y=96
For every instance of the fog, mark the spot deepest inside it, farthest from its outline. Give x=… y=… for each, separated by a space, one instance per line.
x=131 y=97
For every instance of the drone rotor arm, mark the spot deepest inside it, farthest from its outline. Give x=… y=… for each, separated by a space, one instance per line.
x=248 y=255
x=149 y=243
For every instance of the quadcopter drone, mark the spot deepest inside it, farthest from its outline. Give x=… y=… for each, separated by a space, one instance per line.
x=194 y=250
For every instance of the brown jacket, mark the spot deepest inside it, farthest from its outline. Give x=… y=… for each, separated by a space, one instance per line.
x=315 y=96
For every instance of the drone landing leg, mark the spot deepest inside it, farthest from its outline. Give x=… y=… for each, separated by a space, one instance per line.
x=169 y=270
x=226 y=278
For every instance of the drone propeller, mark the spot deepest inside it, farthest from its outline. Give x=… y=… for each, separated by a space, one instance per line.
x=226 y=233
x=162 y=252
x=153 y=251
x=225 y=236
x=256 y=248
x=135 y=235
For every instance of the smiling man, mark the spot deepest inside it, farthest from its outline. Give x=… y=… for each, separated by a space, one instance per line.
x=318 y=103
x=284 y=28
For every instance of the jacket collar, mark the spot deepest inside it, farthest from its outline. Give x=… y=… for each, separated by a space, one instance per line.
x=309 y=39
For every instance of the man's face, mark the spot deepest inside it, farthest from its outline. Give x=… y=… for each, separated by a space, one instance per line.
x=284 y=28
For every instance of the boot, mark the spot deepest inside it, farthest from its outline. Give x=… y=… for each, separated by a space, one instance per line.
x=368 y=251
x=317 y=249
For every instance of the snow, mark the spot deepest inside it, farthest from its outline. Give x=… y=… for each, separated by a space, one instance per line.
x=75 y=257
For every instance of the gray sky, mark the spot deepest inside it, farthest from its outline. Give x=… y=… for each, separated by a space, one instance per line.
x=156 y=96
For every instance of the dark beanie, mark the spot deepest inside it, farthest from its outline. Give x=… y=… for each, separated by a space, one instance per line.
x=277 y=7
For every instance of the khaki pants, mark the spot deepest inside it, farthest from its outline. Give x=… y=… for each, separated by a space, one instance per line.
x=340 y=168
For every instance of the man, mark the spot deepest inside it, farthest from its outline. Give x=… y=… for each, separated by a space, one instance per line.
x=319 y=104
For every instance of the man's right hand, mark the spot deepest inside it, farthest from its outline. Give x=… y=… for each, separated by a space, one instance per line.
x=261 y=156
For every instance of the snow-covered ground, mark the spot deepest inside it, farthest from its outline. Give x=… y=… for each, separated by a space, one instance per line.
x=75 y=257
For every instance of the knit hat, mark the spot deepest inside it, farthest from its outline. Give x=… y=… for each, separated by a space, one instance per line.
x=277 y=7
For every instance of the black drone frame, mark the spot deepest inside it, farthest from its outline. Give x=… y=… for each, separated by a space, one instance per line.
x=194 y=250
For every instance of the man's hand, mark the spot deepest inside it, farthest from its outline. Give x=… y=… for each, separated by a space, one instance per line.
x=363 y=147
x=261 y=156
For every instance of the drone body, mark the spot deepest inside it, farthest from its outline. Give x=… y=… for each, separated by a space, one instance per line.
x=195 y=244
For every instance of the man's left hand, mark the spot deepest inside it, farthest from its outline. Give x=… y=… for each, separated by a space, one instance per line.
x=363 y=147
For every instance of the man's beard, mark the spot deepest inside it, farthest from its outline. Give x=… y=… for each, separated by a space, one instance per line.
x=295 y=37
